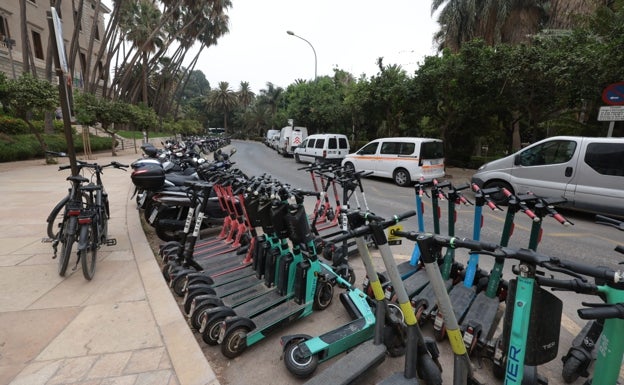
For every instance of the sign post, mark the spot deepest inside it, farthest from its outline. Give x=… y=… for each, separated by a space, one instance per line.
x=613 y=96
x=60 y=62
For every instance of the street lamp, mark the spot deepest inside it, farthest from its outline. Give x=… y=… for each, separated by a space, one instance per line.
x=311 y=46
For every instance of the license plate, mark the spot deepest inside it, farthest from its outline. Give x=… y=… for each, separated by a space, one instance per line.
x=204 y=323
x=221 y=333
x=153 y=215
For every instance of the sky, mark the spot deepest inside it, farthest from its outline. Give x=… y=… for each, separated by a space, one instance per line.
x=346 y=34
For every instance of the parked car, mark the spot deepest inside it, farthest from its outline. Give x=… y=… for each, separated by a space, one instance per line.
x=322 y=148
x=269 y=136
x=405 y=160
x=587 y=172
x=290 y=138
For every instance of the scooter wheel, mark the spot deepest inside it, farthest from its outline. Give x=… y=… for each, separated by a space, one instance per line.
x=195 y=316
x=210 y=334
x=177 y=284
x=234 y=342
x=428 y=370
x=572 y=368
x=323 y=296
x=296 y=363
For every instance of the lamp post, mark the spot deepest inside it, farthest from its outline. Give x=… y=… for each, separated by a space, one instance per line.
x=311 y=46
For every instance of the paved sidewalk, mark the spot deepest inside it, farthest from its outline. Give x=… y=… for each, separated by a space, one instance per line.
x=123 y=328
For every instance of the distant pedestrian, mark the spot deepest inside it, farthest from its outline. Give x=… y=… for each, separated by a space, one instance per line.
x=58 y=113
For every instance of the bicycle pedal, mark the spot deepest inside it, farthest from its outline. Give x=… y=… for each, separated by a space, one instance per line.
x=47 y=240
x=111 y=242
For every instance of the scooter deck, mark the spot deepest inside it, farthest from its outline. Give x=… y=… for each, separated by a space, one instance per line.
x=483 y=313
x=416 y=282
x=406 y=269
x=352 y=365
x=398 y=378
x=276 y=317
x=428 y=295
x=238 y=285
x=251 y=302
x=461 y=299
x=233 y=276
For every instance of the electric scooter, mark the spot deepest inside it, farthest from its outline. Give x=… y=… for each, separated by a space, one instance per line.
x=311 y=292
x=303 y=353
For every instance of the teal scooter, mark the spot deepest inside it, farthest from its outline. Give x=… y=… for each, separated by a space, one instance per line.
x=303 y=353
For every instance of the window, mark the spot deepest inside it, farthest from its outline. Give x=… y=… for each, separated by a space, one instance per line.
x=3 y=29
x=606 y=158
x=397 y=148
x=332 y=144
x=311 y=143
x=432 y=150
x=552 y=152
x=37 y=45
x=97 y=32
x=319 y=143
x=369 y=149
x=342 y=143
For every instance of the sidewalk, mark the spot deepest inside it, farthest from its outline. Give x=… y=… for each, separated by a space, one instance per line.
x=122 y=328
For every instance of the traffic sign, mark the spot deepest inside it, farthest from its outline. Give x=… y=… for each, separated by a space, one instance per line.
x=613 y=94
x=611 y=114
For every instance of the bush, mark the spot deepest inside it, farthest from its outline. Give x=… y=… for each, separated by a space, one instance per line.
x=23 y=147
x=13 y=126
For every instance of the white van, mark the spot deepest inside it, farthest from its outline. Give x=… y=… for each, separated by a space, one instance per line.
x=405 y=160
x=290 y=138
x=322 y=148
x=587 y=172
x=269 y=136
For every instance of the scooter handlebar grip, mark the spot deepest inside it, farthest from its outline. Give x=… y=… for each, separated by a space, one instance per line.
x=559 y=218
x=471 y=244
x=602 y=312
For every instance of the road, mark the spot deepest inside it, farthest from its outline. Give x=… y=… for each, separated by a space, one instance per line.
x=584 y=241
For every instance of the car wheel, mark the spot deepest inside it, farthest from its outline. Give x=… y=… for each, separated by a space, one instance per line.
x=401 y=177
x=349 y=167
x=297 y=160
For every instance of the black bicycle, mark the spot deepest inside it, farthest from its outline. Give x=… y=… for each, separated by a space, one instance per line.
x=81 y=216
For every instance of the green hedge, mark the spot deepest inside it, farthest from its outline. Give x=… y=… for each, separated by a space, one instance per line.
x=23 y=147
x=16 y=126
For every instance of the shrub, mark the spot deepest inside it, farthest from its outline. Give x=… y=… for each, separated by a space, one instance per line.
x=13 y=126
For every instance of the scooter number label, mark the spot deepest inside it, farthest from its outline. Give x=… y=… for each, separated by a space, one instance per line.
x=204 y=322
x=152 y=216
x=222 y=333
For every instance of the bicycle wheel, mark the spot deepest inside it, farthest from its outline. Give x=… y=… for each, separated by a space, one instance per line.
x=68 y=237
x=88 y=250
x=56 y=218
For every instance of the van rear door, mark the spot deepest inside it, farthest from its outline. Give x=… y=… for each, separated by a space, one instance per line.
x=547 y=169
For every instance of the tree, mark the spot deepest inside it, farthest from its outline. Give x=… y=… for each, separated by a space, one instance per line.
x=270 y=97
x=223 y=99
x=28 y=95
x=245 y=95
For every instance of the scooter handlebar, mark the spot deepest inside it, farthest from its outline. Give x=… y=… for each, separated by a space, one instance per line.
x=602 y=311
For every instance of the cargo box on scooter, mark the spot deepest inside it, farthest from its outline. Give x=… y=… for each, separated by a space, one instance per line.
x=149 y=150
x=148 y=177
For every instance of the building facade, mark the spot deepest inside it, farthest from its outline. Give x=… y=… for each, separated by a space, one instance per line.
x=11 y=43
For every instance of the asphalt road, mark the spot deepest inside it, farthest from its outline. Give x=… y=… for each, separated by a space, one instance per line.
x=584 y=241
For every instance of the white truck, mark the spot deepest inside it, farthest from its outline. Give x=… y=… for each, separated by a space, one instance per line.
x=290 y=138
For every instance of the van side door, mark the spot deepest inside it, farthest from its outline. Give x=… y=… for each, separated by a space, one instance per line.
x=389 y=154
x=546 y=169
x=366 y=157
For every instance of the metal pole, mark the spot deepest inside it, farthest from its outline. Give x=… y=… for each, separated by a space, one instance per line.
x=311 y=46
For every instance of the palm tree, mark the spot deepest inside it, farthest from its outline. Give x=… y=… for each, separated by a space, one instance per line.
x=245 y=95
x=223 y=99
x=271 y=97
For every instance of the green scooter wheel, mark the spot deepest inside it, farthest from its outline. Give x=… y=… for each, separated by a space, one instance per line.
x=296 y=363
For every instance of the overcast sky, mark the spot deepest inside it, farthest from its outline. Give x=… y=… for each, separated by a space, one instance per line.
x=346 y=34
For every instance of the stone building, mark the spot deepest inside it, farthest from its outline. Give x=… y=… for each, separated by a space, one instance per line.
x=38 y=34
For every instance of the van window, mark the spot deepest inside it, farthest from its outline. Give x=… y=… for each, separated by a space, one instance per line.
x=552 y=152
x=311 y=143
x=342 y=143
x=331 y=144
x=397 y=148
x=606 y=158
x=432 y=150
x=369 y=149
x=319 y=143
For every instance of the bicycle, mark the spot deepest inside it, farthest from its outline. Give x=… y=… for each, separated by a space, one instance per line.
x=85 y=213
